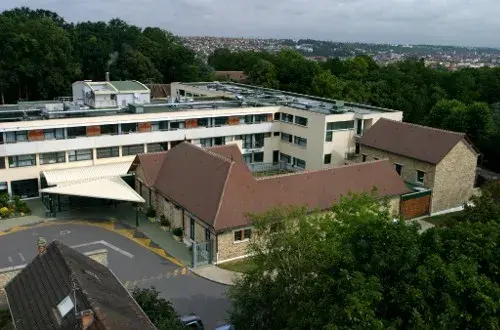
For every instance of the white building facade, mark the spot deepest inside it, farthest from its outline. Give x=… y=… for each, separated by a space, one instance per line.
x=315 y=135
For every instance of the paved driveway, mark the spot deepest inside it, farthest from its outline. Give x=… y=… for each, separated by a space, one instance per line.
x=132 y=264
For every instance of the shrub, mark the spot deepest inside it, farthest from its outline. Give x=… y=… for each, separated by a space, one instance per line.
x=164 y=221
x=151 y=213
x=4 y=200
x=5 y=212
x=177 y=232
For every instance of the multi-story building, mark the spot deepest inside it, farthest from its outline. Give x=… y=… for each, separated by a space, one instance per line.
x=111 y=122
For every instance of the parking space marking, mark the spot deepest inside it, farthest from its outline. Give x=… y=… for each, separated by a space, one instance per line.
x=22 y=257
x=129 y=285
x=109 y=245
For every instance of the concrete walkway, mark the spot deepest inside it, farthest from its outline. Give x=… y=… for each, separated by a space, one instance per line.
x=216 y=274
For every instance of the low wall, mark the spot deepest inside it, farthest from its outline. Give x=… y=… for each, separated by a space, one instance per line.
x=8 y=273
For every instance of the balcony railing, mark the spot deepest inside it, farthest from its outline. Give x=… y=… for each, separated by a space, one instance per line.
x=271 y=167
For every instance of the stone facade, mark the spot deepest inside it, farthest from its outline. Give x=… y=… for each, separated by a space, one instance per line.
x=6 y=274
x=455 y=178
x=199 y=228
x=228 y=249
x=451 y=181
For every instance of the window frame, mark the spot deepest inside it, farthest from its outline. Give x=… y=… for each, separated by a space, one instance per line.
x=296 y=163
x=16 y=158
x=327 y=159
x=245 y=235
x=58 y=156
x=423 y=176
x=128 y=147
x=285 y=137
x=78 y=157
x=301 y=118
x=300 y=141
x=113 y=152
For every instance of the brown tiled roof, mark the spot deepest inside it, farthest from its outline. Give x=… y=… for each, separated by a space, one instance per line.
x=423 y=143
x=221 y=192
x=36 y=291
x=230 y=151
x=151 y=164
x=159 y=90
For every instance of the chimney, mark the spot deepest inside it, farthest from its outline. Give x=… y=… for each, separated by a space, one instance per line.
x=87 y=317
x=107 y=75
x=42 y=245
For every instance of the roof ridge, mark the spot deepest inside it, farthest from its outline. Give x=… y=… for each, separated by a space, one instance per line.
x=222 y=194
x=319 y=170
x=423 y=126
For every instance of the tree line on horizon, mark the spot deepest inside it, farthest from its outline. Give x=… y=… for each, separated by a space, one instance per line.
x=42 y=55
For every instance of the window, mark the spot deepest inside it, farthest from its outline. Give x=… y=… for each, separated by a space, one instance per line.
x=22 y=161
x=329 y=136
x=327 y=159
x=420 y=176
x=79 y=155
x=206 y=143
x=203 y=122
x=74 y=132
x=300 y=141
x=300 y=120
x=277 y=115
x=53 y=134
x=177 y=124
x=191 y=229
x=109 y=129
x=276 y=156
x=157 y=147
x=363 y=157
x=340 y=125
x=18 y=136
x=25 y=188
x=220 y=141
x=52 y=158
x=129 y=128
x=2 y=163
x=276 y=133
x=207 y=235
x=287 y=137
x=285 y=158
x=375 y=158
x=258 y=157
x=247 y=158
x=357 y=149
x=398 y=168
x=299 y=163
x=286 y=117
x=242 y=235
x=107 y=152
x=134 y=149
x=219 y=121
x=261 y=118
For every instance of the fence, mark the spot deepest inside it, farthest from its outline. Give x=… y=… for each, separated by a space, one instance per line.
x=265 y=167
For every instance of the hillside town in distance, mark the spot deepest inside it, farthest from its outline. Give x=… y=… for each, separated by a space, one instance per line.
x=448 y=57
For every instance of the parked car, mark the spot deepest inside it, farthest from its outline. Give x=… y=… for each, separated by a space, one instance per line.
x=192 y=321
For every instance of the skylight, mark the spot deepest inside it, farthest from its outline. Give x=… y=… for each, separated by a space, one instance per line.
x=65 y=306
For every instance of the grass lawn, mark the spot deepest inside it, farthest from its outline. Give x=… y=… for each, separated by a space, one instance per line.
x=444 y=220
x=241 y=266
x=270 y=173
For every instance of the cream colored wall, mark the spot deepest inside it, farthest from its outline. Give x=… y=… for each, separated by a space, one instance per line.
x=455 y=177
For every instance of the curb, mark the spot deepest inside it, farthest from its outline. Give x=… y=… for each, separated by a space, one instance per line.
x=210 y=279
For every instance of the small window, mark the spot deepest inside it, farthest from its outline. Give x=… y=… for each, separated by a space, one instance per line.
x=287 y=137
x=329 y=137
x=107 y=152
x=300 y=141
x=277 y=116
x=398 y=168
x=2 y=163
x=22 y=161
x=133 y=149
x=65 y=306
x=242 y=235
x=300 y=121
x=327 y=159
x=205 y=143
x=247 y=233
x=285 y=158
x=191 y=229
x=276 y=133
x=238 y=236
x=357 y=149
x=420 y=176
x=297 y=162
x=363 y=157
x=52 y=158
x=258 y=157
x=79 y=155
x=276 y=156
x=129 y=128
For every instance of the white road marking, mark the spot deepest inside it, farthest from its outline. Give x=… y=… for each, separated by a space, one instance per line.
x=109 y=245
x=64 y=232
x=10 y=260
x=22 y=257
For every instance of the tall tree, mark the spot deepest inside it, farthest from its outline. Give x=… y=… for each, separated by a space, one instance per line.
x=263 y=73
x=159 y=310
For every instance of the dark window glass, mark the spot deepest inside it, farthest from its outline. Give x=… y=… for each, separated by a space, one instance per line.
x=398 y=168
x=74 y=132
x=132 y=149
x=327 y=159
x=247 y=233
x=107 y=152
x=22 y=161
x=109 y=129
x=300 y=120
x=79 y=155
x=238 y=235
x=129 y=128
x=329 y=137
x=258 y=157
x=52 y=158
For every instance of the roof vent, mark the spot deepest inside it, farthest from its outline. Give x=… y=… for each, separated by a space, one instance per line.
x=338 y=107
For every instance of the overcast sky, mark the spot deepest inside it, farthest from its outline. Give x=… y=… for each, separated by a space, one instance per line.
x=455 y=22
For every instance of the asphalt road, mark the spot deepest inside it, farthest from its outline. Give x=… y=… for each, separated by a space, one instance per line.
x=131 y=263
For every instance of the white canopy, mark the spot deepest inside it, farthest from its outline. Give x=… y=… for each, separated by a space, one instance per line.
x=107 y=188
x=85 y=173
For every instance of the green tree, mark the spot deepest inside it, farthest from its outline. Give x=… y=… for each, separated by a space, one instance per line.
x=263 y=73
x=440 y=115
x=159 y=310
x=326 y=84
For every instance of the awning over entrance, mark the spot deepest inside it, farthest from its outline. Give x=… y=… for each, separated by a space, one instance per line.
x=113 y=188
x=99 y=181
x=76 y=174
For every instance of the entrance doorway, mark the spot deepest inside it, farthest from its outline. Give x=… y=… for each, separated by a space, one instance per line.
x=25 y=188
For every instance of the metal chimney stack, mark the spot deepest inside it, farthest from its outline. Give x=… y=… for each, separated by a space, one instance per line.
x=107 y=75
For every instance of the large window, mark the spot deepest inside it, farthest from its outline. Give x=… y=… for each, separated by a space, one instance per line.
x=53 y=134
x=287 y=137
x=299 y=163
x=133 y=149
x=178 y=124
x=203 y=122
x=25 y=188
x=108 y=152
x=220 y=141
x=79 y=155
x=340 y=125
x=286 y=117
x=129 y=128
x=52 y=158
x=242 y=235
x=219 y=121
x=74 y=132
x=158 y=147
x=285 y=158
x=109 y=129
x=261 y=118
x=300 y=141
x=300 y=120
x=247 y=158
x=22 y=161
x=18 y=136
x=258 y=157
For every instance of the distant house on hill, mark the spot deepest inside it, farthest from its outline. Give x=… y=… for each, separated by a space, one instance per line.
x=236 y=76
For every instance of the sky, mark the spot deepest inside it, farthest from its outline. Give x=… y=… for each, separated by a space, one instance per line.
x=450 y=22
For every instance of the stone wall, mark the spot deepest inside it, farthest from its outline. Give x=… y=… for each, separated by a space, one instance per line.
x=8 y=273
x=410 y=165
x=455 y=177
x=229 y=249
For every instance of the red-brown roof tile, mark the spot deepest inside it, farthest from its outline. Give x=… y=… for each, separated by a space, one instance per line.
x=423 y=143
x=150 y=165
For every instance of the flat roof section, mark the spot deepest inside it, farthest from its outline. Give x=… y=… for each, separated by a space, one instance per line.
x=128 y=85
x=85 y=173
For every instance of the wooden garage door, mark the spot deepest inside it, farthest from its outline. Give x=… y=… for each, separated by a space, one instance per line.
x=415 y=205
